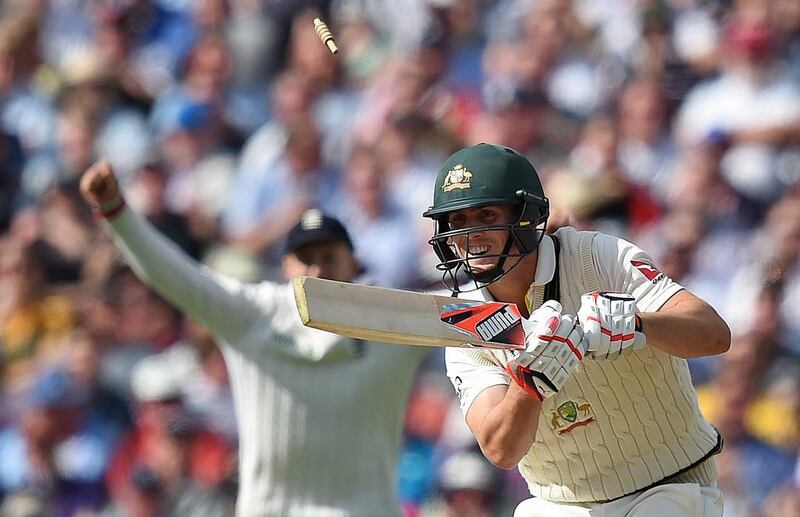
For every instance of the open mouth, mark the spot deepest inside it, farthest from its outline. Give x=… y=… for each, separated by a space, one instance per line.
x=478 y=251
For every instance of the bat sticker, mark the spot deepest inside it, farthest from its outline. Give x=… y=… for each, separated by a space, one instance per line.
x=490 y=322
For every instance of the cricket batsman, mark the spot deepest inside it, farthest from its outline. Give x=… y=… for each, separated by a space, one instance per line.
x=320 y=416
x=598 y=412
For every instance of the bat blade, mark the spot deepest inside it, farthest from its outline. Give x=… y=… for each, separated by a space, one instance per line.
x=406 y=317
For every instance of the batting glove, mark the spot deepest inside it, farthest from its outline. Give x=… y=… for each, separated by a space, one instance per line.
x=609 y=321
x=554 y=347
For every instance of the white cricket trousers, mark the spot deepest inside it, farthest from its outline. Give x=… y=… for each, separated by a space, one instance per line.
x=670 y=500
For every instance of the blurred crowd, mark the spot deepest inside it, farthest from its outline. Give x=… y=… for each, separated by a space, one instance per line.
x=672 y=123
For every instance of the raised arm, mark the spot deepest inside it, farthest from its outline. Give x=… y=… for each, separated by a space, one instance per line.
x=219 y=303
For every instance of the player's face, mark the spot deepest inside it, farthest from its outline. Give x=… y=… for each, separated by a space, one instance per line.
x=328 y=260
x=481 y=247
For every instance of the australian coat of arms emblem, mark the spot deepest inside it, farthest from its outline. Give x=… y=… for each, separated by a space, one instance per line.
x=457 y=178
x=571 y=415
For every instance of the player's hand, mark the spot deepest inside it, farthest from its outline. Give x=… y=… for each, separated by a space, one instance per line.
x=609 y=322
x=99 y=186
x=554 y=347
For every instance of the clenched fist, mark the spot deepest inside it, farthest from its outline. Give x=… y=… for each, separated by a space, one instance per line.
x=609 y=321
x=99 y=187
x=554 y=347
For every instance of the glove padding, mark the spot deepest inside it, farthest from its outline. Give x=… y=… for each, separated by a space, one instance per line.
x=554 y=347
x=609 y=323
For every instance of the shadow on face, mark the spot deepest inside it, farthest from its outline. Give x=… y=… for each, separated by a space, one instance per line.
x=480 y=247
x=331 y=260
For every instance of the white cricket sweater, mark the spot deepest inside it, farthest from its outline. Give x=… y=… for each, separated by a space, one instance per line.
x=616 y=426
x=320 y=416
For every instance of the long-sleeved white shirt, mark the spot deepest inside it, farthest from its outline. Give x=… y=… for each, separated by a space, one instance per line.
x=320 y=416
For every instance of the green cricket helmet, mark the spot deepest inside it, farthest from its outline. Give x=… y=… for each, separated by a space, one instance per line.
x=483 y=175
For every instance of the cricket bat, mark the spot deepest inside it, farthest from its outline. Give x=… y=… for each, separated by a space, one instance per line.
x=406 y=317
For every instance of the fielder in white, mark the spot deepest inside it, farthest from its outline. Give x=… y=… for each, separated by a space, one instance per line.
x=320 y=416
x=598 y=413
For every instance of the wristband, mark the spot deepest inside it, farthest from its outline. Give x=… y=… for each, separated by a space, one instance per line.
x=524 y=378
x=638 y=325
x=110 y=209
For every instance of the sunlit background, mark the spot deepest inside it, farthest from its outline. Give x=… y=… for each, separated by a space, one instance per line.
x=672 y=123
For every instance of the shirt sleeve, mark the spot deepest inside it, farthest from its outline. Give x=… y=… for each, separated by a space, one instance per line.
x=471 y=373
x=623 y=267
x=226 y=306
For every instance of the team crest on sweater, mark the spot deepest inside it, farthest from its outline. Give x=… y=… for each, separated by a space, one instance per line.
x=570 y=415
